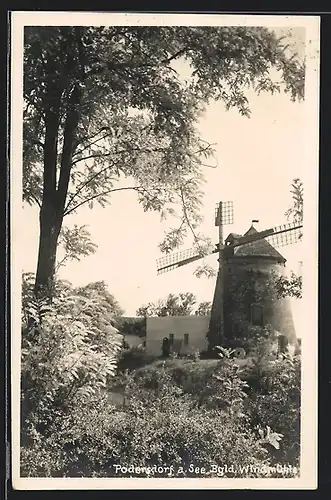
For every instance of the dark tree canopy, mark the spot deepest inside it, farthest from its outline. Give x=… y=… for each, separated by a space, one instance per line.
x=183 y=304
x=204 y=309
x=106 y=103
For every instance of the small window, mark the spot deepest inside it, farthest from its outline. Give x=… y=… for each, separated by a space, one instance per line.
x=171 y=338
x=185 y=338
x=257 y=315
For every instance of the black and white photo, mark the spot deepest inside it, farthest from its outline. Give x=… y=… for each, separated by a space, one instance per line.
x=164 y=209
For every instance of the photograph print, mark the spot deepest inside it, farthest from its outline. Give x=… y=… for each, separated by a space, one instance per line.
x=164 y=250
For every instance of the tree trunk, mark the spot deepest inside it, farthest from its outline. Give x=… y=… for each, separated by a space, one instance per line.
x=48 y=239
x=47 y=236
x=54 y=196
x=54 y=199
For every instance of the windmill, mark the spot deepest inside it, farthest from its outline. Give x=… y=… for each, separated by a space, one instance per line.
x=238 y=255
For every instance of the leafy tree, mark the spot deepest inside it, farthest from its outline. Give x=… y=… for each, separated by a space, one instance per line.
x=292 y=286
x=99 y=291
x=75 y=243
x=295 y=212
x=131 y=325
x=289 y=286
x=61 y=289
x=147 y=310
x=106 y=308
x=182 y=304
x=103 y=104
x=204 y=309
x=69 y=352
x=67 y=356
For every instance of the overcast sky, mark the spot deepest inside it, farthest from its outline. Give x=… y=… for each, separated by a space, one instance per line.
x=257 y=160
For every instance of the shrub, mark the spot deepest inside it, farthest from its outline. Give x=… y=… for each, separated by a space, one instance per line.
x=159 y=426
x=66 y=359
x=134 y=358
x=267 y=393
x=277 y=403
x=64 y=445
x=190 y=375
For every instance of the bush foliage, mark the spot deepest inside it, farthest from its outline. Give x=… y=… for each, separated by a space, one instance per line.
x=134 y=358
x=131 y=325
x=68 y=355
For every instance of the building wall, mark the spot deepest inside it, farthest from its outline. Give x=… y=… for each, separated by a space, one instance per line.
x=159 y=328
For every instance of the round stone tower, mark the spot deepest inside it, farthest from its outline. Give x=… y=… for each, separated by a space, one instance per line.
x=251 y=306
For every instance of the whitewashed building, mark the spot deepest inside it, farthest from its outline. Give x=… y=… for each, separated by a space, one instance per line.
x=186 y=334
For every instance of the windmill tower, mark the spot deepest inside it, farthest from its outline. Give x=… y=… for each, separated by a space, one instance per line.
x=223 y=216
x=244 y=298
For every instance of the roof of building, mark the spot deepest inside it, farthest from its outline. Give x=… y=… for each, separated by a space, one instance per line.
x=258 y=248
x=233 y=236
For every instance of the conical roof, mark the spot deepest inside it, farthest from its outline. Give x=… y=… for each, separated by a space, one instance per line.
x=258 y=248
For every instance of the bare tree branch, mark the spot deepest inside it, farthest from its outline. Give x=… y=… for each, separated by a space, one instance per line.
x=36 y=200
x=84 y=184
x=186 y=217
x=133 y=188
x=174 y=56
x=94 y=142
x=101 y=155
x=84 y=158
x=202 y=150
x=60 y=263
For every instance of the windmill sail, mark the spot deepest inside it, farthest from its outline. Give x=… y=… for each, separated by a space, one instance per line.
x=288 y=236
x=178 y=259
x=285 y=234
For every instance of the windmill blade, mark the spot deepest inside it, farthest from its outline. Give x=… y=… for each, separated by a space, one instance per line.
x=178 y=259
x=283 y=233
x=224 y=213
x=286 y=237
